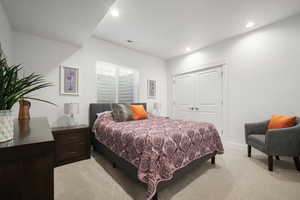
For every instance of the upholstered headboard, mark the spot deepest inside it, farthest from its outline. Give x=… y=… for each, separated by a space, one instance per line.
x=102 y=107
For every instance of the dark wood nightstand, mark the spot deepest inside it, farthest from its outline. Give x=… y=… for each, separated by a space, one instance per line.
x=71 y=144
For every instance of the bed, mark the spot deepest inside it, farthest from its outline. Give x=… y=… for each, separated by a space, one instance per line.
x=153 y=149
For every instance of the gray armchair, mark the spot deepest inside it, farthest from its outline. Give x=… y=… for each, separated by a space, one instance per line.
x=275 y=142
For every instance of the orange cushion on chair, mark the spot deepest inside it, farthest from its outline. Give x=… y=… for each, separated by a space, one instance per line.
x=138 y=112
x=278 y=121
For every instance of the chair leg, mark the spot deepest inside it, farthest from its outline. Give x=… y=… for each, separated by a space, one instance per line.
x=277 y=158
x=114 y=165
x=249 y=151
x=297 y=163
x=213 y=160
x=270 y=163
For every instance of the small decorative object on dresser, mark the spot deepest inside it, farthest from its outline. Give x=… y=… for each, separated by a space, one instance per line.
x=24 y=113
x=15 y=89
x=71 y=143
x=6 y=125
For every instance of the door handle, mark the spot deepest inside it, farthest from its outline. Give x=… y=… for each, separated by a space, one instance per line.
x=191 y=108
x=196 y=108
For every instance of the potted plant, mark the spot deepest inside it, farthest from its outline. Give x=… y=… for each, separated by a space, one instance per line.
x=13 y=89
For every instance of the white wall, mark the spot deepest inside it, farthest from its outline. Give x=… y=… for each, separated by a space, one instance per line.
x=5 y=34
x=263 y=74
x=45 y=56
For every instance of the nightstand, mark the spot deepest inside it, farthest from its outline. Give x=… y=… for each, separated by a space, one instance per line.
x=71 y=144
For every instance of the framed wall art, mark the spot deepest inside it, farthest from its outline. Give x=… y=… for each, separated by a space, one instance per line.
x=69 y=80
x=152 y=89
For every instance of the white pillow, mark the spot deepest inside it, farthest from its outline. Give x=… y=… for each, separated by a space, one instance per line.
x=102 y=113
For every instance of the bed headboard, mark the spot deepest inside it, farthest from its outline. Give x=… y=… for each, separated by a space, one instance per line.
x=102 y=107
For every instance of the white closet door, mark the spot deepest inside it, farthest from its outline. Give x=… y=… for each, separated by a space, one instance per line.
x=183 y=96
x=208 y=97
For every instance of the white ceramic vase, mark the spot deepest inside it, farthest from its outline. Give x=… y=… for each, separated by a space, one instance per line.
x=6 y=125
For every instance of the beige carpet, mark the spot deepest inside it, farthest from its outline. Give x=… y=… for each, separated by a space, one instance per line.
x=234 y=177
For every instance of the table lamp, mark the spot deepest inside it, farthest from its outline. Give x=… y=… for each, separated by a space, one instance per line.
x=156 y=108
x=71 y=110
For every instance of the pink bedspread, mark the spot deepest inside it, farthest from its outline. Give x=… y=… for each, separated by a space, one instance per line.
x=158 y=146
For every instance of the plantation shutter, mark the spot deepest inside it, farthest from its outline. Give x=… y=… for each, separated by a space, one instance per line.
x=126 y=86
x=106 y=84
x=115 y=84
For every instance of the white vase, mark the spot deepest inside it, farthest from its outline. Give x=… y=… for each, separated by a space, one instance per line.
x=6 y=125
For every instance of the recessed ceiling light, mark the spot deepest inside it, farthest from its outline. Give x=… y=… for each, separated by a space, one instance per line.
x=114 y=12
x=250 y=24
x=188 y=49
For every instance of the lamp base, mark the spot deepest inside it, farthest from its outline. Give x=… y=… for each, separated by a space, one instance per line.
x=72 y=121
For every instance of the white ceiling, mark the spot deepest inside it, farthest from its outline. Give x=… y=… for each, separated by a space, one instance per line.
x=165 y=27
x=71 y=21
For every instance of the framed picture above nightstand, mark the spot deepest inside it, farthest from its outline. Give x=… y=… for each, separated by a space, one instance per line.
x=69 y=81
x=151 y=89
x=71 y=144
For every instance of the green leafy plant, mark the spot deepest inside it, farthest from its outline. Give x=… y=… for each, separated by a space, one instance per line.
x=14 y=88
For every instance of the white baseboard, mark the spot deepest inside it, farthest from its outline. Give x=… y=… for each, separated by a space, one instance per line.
x=239 y=147
x=234 y=145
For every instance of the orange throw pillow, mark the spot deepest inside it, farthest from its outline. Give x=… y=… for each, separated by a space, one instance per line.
x=278 y=121
x=138 y=112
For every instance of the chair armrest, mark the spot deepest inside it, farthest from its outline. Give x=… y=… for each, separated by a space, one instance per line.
x=284 y=142
x=255 y=128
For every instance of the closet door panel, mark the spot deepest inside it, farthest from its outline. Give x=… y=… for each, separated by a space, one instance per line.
x=208 y=96
x=183 y=96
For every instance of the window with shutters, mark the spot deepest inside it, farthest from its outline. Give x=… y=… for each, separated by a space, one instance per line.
x=115 y=84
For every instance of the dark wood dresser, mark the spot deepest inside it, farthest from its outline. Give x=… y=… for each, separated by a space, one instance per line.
x=71 y=143
x=27 y=162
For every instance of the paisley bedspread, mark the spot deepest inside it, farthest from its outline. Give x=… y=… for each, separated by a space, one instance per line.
x=157 y=146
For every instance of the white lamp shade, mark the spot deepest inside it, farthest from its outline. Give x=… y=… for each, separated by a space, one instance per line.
x=71 y=108
x=156 y=106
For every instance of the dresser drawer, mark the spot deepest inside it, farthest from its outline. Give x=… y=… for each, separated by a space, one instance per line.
x=70 y=151
x=67 y=138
